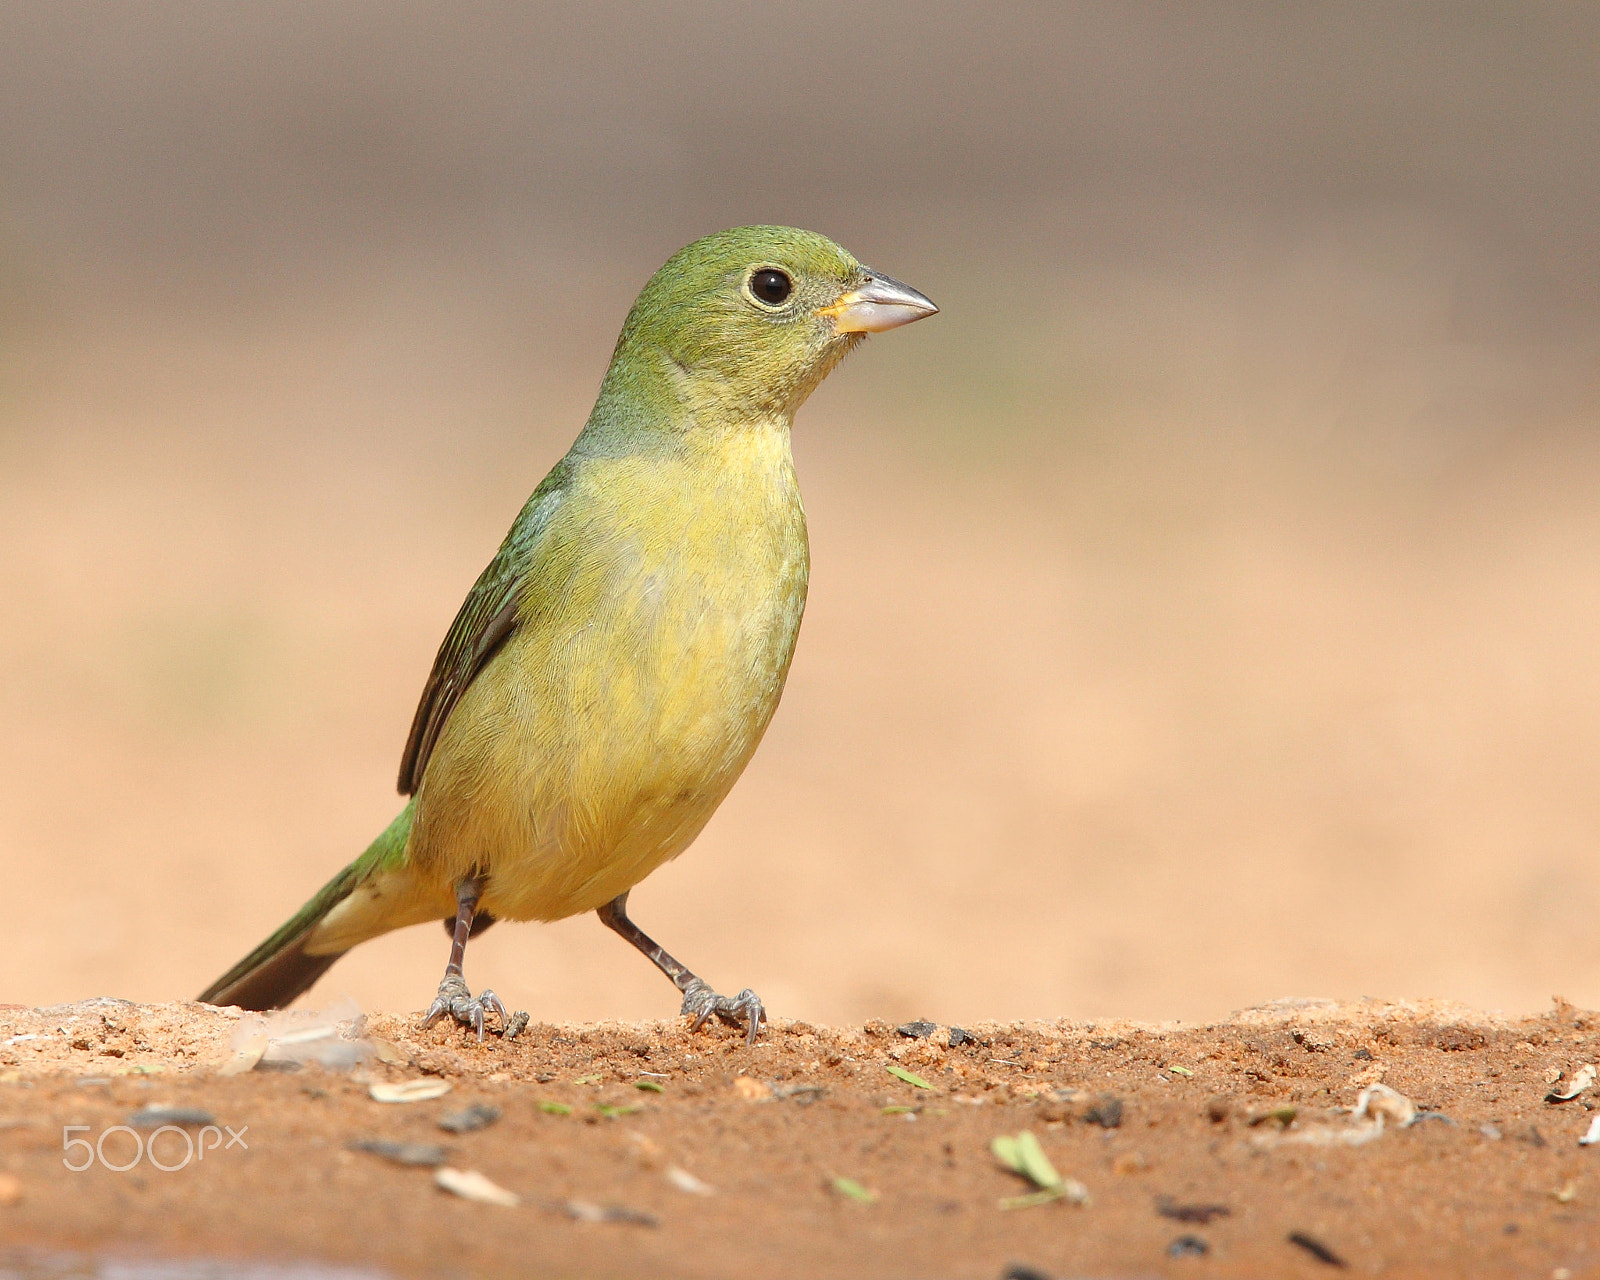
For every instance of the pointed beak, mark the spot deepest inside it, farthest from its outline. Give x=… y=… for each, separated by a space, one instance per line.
x=881 y=303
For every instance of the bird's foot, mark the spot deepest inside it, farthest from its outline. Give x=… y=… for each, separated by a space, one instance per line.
x=459 y=1003
x=701 y=1003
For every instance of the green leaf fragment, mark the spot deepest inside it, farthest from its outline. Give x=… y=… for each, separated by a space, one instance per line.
x=1283 y=1115
x=555 y=1108
x=595 y=1079
x=1181 y=1071
x=1033 y=1198
x=910 y=1077
x=611 y=1112
x=1023 y=1154
x=853 y=1190
x=649 y=1086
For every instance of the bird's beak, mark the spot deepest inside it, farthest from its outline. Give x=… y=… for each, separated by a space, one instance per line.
x=881 y=303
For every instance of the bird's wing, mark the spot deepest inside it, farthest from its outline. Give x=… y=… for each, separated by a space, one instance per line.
x=486 y=621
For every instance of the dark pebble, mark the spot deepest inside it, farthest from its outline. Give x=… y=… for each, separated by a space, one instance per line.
x=155 y=1117
x=1106 y=1112
x=480 y=1115
x=1188 y=1247
x=801 y=1094
x=609 y=1213
x=412 y=1153
x=960 y=1036
x=1200 y=1213
x=919 y=1030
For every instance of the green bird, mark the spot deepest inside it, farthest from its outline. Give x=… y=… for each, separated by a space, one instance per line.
x=614 y=668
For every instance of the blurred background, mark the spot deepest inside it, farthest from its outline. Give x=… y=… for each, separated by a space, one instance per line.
x=1205 y=607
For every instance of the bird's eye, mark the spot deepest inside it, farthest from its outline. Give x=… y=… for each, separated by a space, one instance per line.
x=771 y=286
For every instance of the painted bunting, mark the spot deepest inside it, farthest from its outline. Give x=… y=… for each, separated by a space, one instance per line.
x=613 y=669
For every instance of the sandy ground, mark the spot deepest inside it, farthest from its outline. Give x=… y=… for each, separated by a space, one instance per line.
x=641 y=1149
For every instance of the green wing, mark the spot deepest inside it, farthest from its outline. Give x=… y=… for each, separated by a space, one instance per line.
x=486 y=621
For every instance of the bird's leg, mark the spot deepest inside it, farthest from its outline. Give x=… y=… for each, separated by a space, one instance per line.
x=453 y=997
x=699 y=1001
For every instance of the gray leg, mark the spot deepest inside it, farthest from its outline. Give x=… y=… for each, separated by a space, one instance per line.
x=453 y=997
x=699 y=1001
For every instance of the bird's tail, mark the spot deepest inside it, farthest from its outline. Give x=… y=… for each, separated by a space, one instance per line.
x=280 y=969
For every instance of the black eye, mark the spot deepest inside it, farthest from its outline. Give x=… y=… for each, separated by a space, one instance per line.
x=771 y=286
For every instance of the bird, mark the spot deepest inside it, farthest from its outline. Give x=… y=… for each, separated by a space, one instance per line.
x=615 y=666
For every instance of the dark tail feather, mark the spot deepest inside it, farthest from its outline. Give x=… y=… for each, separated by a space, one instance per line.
x=272 y=982
x=279 y=969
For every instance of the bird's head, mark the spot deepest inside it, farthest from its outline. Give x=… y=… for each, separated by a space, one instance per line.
x=748 y=321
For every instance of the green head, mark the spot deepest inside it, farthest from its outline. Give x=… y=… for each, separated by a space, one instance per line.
x=744 y=324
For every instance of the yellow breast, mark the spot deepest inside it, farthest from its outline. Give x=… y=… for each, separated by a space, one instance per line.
x=654 y=639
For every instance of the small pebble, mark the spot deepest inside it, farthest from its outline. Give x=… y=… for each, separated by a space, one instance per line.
x=1188 y=1247
x=919 y=1030
x=1106 y=1112
x=1200 y=1213
x=425 y=1154
x=480 y=1115
x=155 y=1117
x=960 y=1036
x=585 y=1211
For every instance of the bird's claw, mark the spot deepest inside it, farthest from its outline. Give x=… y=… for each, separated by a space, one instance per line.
x=459 y=1003
x=701 y=1003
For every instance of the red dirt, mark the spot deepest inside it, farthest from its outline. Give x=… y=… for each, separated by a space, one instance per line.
x=1492 y=1180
